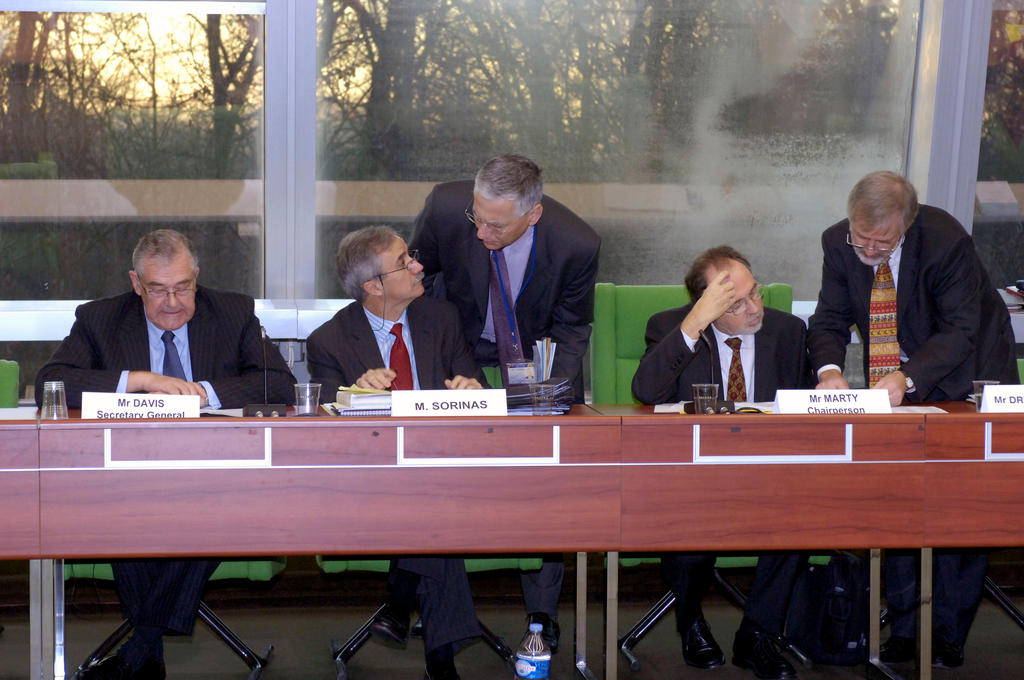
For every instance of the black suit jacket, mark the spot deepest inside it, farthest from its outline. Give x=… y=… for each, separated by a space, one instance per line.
x=344 y=348
x=224 y=340
x=950 y=321
x=668 y=367
x=557 y=301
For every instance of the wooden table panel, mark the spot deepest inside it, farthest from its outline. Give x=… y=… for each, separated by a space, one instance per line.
x=343 y=510
x=974 y=504
x=19 y=489
x=745 y=507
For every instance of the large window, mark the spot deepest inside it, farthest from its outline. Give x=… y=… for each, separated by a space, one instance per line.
x=670 y=126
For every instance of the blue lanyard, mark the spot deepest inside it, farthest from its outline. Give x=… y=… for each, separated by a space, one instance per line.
x=504 y=295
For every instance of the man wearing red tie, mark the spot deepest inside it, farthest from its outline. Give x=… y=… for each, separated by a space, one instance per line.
x=908 y=277
x=394 y=338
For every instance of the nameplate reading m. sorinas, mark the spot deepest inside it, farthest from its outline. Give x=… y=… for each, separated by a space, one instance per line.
x=117 y=406
x=448 y=403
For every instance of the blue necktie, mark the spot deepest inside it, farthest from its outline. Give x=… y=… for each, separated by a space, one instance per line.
x=172 y=363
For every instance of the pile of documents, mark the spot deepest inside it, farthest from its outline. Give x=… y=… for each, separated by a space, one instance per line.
x=550 y=397
x=356 y=401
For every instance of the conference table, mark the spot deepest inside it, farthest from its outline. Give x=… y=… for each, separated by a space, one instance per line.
x=620 y=478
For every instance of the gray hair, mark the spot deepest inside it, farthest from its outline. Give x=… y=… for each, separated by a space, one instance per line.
x=880 y=195
x=358 y=257
x=511 y=177
x=164 y=245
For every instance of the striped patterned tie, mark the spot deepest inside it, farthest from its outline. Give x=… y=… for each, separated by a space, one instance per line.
x=737 y=387
x=883 y=348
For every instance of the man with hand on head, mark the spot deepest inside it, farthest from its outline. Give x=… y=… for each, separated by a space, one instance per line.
x=392 y=337
x=519 y=266
x=751 y=351
x=908 y=277
x=168 y=335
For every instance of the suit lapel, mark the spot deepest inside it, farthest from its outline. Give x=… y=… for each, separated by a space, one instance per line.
x=361 y=340
x=425 y=346
x=478 y=262
x=134 y=337
x=909 y=263
x=765 y=377
x=202 y=341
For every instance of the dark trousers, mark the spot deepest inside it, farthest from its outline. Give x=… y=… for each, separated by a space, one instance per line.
x=162 y=593
x=443 y=597
x=958 y=577
x=543 y=587
x=689 y=575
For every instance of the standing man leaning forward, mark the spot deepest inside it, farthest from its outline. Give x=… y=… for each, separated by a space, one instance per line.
x=519 y=266
x=908 y=277
x=769 y=356
x=394 y=338
x=167 y=336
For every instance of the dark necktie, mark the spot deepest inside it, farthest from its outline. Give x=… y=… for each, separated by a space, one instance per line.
x=172 y=363
x=883 y=348
x=737 y=387
x=400 y=363
x=506 y=336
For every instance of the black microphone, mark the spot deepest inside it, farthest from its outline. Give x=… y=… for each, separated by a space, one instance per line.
x=264 y=410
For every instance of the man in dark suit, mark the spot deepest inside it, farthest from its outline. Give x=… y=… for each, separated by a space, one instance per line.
x=393 y=338
x=519 y=266
x=167 y=336
x=908 y=277
x=769 y=356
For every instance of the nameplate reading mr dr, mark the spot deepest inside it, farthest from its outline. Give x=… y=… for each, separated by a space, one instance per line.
x=114 y=406
x=435 y=403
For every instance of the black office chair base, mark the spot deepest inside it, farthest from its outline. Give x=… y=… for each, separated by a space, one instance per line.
x=633 y=636
x=1004 y=602
x=255 y=662
x=342 y=652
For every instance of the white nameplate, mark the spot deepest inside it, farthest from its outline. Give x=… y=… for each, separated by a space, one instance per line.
x=1003 y=399
x=110 y=405
x=448 y=403
x=825 y=402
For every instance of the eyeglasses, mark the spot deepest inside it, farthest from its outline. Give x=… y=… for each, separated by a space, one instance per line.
x=882 y=250
x=755 y=298
x=178 y=293
x=481 y=224
x=413 y=256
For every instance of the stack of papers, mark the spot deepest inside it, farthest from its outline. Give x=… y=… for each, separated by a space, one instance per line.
x=356 y=401
x=550 y=397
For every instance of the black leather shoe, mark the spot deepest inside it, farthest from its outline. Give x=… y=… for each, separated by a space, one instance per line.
x=111 y=668
x=699 y=648
x=151 y=670
x=441 y=671
x=391 y=624
x=898 y=649
x=947 y=654
x=758 y=653
x=550 y=631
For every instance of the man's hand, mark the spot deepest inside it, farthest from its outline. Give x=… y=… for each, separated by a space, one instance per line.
x=461 y=382
x=719 y=296
x=155 y=383
x=376 y=379
x=832 y=380
x=895 y=384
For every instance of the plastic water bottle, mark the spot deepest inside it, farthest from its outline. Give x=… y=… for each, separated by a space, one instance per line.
x=533 y=658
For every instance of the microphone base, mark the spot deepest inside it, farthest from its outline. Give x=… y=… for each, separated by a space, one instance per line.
x=265 y=410
x=723 y=407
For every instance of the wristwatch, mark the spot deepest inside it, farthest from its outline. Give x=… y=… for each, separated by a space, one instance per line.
x=909 y=381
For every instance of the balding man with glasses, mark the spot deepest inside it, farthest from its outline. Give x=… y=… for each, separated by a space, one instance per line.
x=909 y=278
x=168 y=335
x=726 y=336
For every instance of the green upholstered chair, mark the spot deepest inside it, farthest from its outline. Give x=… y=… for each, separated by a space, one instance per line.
x=616 y=346
x=342 y=652
x=620 y=320
x=1020 y=369
x=257 y=570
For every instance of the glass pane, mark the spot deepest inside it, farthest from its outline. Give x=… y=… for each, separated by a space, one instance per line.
x=113 y=124
x=998 y=230
x=670 y=126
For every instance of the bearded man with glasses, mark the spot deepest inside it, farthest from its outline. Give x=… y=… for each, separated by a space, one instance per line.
x=908 y=277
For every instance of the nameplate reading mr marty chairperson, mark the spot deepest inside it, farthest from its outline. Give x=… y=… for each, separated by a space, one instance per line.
x=448 y=403
x=114 y=405
x=832 y=402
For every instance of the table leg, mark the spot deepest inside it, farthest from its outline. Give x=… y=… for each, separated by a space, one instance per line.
x=925 y=630
x=47 y=660
x=581 y=617
x=611 y=622
x=875 y=617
